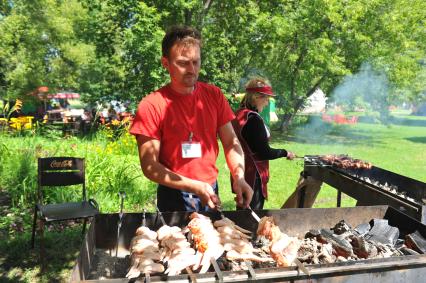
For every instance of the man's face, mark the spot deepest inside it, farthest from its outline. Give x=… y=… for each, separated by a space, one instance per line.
x=183 y=64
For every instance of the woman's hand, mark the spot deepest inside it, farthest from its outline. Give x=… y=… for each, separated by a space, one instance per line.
x=290 y=155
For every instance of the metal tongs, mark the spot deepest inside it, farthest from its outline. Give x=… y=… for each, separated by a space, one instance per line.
x=300 y=265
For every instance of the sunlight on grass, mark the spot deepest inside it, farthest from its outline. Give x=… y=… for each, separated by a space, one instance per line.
x=391 y=147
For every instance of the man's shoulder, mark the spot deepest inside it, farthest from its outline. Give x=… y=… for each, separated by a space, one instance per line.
x=209 y=87
x=156 y=96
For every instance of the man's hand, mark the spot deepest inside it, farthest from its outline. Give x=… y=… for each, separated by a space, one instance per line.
x=243 y=191
x=207 y=195
x=290 y=155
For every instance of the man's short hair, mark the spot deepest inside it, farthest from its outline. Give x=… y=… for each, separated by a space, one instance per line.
x=179 y=34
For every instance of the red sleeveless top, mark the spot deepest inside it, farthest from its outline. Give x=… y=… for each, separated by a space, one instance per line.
x=252 y=162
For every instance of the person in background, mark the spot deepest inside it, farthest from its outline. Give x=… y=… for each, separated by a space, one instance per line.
x=254 y=138
x=176 y=128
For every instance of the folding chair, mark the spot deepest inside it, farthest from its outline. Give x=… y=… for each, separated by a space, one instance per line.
x=61 y=172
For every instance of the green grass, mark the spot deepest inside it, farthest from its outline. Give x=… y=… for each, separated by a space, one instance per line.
x=398 y=147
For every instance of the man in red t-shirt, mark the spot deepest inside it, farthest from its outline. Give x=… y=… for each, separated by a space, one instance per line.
x=176 y=129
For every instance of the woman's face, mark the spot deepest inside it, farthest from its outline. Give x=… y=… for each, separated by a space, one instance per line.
x=261 y=101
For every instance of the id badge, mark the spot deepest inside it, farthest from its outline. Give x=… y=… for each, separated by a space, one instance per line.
x=191 y=149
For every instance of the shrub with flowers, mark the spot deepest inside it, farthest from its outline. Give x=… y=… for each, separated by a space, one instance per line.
x=117 y=127
x=15 y=123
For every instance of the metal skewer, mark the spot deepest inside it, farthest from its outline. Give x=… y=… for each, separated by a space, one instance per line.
x=122 y=196
x=300 y=265
x=147 y=274
x=160 y=215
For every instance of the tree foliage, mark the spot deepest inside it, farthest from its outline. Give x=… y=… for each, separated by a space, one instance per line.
x=111 y=49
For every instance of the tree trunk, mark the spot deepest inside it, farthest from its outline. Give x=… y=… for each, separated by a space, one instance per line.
x=297 y=105
x=285 y=122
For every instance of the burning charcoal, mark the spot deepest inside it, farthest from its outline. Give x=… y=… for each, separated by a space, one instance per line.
x=372 y=253
x=384 y=251
x=360 y=246
x=326 y=254
x=408 y=251
x=341 y=259
x=399 y=243
x=341 y=227
x=416 y=242
x=341 y=246
x=382 y=232
x=363 y=228
x=313 y=233
x=307 y=250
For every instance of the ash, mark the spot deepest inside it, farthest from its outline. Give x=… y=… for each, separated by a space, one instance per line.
x=105 y=265
x=390 y=188
x=343 y=243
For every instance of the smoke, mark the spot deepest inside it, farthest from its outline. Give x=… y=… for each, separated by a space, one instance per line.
x=366 y=90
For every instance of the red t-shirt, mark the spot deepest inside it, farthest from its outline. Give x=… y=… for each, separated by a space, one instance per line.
x=170 y=117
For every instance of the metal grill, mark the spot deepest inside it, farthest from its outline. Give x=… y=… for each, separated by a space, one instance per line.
x=102 y=239
x=375 y=186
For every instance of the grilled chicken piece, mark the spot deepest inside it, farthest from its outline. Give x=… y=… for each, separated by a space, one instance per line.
x=137 y=268
x=206 y=240
x=144 y=252
x=238 y=246
x=268 y=228
x=166 y=230
x=179 y=262
x=228 y=222
x=234 y=255
x=146 y=232
x=282 y=248
x=232 y=232
x=177 y=251
x=139 y=245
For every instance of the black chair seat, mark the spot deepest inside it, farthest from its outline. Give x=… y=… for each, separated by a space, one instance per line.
x=67 y=211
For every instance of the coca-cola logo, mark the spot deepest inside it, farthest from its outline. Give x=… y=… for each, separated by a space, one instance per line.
x=61 y=164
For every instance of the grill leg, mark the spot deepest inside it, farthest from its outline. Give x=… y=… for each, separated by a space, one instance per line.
x=84 y=227
x=302 y=194
x=42 y=248
x=339 y=198
x=34 y=227
x=305 y=194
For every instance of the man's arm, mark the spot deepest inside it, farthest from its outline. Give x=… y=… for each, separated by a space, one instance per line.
x=149 y=150
x=235 y=159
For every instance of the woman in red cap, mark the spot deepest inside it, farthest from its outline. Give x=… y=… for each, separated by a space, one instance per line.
x=254 y=138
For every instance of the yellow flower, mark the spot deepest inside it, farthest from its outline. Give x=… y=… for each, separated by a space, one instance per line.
x=18 y=105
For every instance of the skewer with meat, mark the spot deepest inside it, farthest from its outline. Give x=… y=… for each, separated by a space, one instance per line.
x=177 y=252
x=144 y=253
x=206 y=240
x=345 y=162
x=282 y=248
x=236 y=241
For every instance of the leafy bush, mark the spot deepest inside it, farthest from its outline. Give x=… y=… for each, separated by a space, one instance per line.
x=111 y=166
